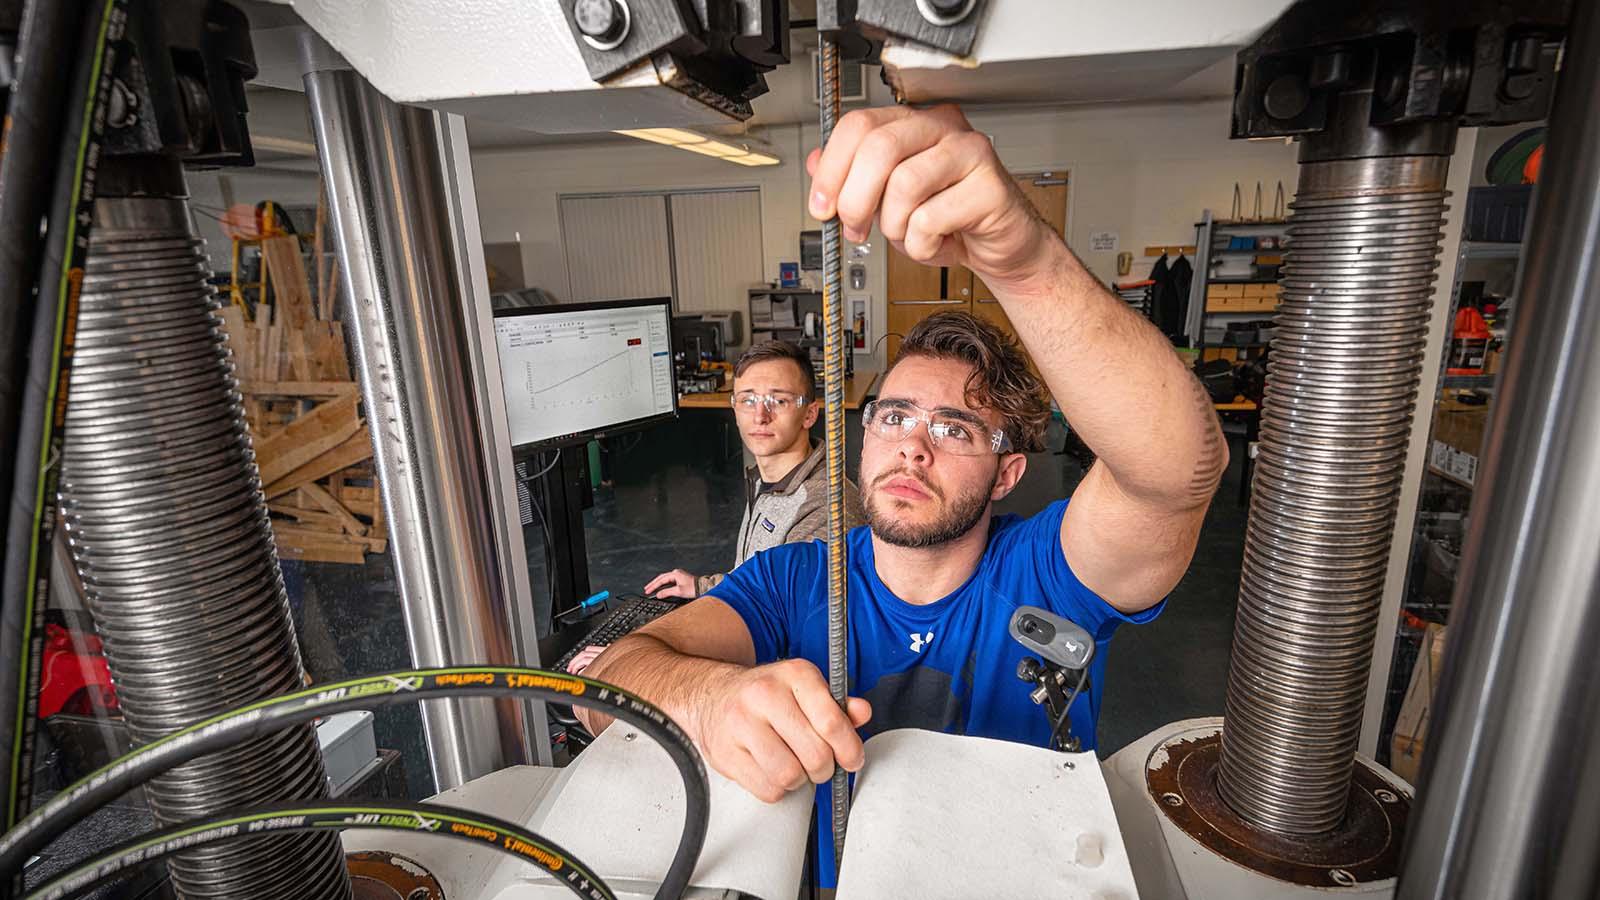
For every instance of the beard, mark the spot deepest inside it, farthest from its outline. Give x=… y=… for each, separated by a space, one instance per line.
x=958 y=516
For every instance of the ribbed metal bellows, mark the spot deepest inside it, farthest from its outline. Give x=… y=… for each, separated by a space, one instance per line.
x=1341 y=390
x=169 y=531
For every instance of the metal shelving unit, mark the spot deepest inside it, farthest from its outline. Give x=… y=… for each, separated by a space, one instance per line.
x=1489 y=250
x=1207 y=232
x=1466 y=382
x=1446 y=499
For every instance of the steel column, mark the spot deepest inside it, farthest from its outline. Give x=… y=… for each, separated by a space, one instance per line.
x=386 y=185
x=1507 y=796
x=1341 y=390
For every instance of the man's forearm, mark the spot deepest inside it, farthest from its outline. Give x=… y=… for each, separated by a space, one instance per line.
x=1118 y=381
x=681 y=685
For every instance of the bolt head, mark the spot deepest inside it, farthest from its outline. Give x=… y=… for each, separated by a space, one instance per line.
x=1286 y=97
x=1519 y=87
x=602 y=20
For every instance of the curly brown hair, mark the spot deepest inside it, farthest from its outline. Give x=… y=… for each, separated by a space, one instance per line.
x=1000 y=379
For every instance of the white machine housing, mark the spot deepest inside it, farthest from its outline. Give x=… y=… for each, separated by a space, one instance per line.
x=514 y=61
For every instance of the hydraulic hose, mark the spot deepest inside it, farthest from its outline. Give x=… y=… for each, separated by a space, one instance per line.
x=28 y=157
x=31 y=516
x=267 y=716
x=281 y=818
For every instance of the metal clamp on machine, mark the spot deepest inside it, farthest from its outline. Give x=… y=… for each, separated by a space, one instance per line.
x=1060 y=673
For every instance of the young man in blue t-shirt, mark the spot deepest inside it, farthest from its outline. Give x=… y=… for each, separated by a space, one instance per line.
x=935 y=576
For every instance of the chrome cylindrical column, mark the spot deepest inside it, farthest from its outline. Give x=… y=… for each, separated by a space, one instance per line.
x=1506 y=805
x=409 y=338
x=1341 y=390
x=169 y=531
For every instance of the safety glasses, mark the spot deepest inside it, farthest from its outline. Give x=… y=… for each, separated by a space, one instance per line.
x=778 y=402
x=950 y=430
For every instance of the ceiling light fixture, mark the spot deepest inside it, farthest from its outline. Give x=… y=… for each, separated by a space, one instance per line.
x=736 y=151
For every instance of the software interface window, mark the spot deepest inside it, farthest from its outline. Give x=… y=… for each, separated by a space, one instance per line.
x=572 y=372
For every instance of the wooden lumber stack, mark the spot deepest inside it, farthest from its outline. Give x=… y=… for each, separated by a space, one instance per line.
x=304 y=411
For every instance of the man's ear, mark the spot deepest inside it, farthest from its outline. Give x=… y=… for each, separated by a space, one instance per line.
x=813 y=409
x=1012 y=467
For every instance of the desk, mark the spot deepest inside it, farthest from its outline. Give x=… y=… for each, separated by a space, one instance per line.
x=856 y=389
x=1252 y=433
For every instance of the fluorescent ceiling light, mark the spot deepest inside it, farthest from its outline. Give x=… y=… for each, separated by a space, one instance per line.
x=291 y=146
x=713 y=148
x=754 y=159
x=672 y=137
x=733 y=151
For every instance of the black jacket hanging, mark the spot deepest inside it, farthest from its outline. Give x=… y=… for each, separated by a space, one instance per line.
x=1169 y=297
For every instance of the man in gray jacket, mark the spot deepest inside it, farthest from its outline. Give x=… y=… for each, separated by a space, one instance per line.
x=786 y=491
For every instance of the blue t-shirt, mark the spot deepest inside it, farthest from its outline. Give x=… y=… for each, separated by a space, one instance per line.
x=945 y=666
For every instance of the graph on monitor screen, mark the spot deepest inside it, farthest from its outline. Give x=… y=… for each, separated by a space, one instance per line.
x=568 y=377
x=571 y=372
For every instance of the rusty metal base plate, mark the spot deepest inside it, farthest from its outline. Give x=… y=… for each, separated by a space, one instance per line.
x=1364 y=848
x=376 y=875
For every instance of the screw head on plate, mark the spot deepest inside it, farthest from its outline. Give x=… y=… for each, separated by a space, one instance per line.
x=603 y=20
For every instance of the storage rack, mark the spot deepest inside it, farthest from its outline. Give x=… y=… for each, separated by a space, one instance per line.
x=1214 y=301
x=1449 y=481
x=768 y=322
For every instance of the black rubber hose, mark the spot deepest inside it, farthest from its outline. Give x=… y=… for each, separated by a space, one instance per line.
x=28 y=160
x=280 y=818
x=31 y=483
x=266 y=716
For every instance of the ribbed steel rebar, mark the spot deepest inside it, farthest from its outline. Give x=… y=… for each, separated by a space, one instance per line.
x=833 y=423
x=169 y=531
x=1341 y=390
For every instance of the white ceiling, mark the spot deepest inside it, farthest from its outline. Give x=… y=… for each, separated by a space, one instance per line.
x=280 y=115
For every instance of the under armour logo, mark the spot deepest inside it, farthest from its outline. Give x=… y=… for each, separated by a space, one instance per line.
x=918 y=641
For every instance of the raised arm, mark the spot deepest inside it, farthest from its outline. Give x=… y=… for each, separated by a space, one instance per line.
x=941 y=195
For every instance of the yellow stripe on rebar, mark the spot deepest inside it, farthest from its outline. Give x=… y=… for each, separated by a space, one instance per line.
x=833 y=417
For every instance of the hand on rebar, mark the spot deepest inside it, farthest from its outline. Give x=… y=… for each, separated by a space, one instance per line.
x=774 y=728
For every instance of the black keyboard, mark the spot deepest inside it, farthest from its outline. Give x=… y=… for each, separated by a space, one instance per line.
x=632 y=613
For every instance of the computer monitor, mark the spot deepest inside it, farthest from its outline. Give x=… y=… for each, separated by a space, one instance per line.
x=693 y=337
x=576 y=370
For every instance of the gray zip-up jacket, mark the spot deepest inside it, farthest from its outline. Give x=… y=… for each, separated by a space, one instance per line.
x=793 y=510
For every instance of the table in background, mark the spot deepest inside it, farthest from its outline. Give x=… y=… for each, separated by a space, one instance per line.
x=858 y=389
x=1251 y=413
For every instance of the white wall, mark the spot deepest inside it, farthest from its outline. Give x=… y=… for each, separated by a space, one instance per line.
x=518 y=193
x=1144 y=171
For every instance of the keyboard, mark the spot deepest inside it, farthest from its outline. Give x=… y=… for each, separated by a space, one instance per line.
x=631 y=613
